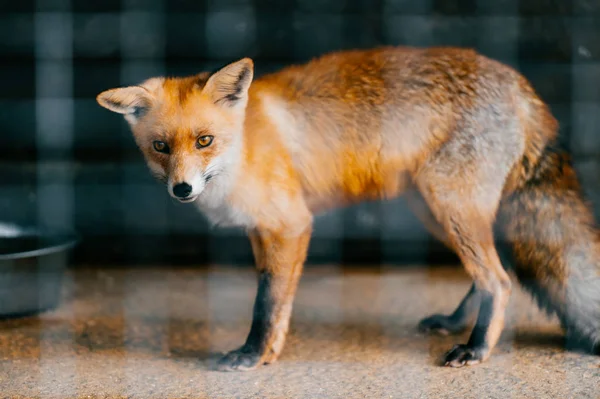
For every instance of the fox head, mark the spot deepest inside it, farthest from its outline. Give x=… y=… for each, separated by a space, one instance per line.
x=189 y=129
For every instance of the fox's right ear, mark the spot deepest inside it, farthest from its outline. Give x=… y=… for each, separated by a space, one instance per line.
x=133 y=101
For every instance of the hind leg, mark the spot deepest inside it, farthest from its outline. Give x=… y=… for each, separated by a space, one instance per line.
x=419 y=207
x=455 y=322
x=458 y=320
x=463 y=195
x=471 y=234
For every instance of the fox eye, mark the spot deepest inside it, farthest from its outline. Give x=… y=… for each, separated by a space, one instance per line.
x=204 y=141
x=161 y=146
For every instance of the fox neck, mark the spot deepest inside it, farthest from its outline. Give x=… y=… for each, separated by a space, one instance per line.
x=263 y=151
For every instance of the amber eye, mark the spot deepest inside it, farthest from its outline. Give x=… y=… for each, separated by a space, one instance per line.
x=204 y=141
x=161 y=146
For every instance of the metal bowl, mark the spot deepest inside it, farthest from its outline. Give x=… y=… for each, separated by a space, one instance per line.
x=33 y=262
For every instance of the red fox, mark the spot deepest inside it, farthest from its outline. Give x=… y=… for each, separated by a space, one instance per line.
x=466 y=135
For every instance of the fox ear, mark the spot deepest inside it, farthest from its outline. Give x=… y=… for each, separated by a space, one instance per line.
x=230 y=84
x=133 y=101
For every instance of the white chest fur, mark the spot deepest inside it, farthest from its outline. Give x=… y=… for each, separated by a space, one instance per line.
x=224 y=215
x=213 y=203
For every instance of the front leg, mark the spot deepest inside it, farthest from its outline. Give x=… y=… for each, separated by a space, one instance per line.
x=279 y=259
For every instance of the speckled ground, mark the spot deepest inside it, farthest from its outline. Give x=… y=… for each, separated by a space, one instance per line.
x=156 y=333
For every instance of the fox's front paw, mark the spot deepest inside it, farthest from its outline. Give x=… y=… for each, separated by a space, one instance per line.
x=464 y=355
x=242 y=359
x=440 y=324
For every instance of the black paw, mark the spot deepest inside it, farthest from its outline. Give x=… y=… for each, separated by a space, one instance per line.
x=464 y=355
x=242 y=359
x=440 y=324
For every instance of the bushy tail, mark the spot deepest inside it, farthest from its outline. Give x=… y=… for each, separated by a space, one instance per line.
x=555 y=246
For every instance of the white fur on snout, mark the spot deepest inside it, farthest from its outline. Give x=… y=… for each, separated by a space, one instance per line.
x=197 y=181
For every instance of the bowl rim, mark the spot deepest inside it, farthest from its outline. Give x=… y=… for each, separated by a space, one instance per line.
x=68 y=239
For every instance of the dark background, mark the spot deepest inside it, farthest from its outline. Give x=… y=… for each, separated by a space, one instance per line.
x=65 y=162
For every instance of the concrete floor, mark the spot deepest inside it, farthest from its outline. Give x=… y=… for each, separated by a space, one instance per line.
x=156 y=333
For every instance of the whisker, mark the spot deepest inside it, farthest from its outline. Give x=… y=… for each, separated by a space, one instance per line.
x=210 y=173
x=210 y=176
x=209 y=170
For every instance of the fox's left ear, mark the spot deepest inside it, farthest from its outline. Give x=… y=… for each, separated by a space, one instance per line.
x=133 y=102
x=229 y=86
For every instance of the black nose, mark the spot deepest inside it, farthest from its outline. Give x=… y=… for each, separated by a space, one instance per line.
x=182 y=190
